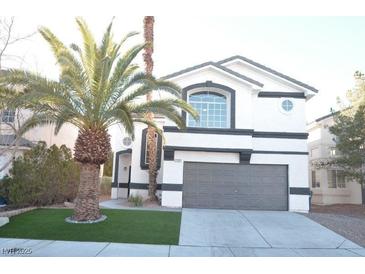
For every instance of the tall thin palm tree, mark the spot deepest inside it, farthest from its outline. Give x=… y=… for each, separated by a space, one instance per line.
x=148 y=23
x=98 y=86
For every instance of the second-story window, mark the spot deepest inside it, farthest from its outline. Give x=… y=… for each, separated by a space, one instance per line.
x=8 y=116
x=212 y=108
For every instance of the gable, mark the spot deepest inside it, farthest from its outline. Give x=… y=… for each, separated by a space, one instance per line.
x=217 y=68
x=248 y=72
x=270 y=77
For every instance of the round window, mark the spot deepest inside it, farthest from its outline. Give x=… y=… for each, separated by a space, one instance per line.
x=127 y=141
x=287 y=105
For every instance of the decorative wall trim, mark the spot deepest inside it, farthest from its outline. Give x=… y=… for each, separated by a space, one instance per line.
x=243 y=152
x=278 y=94
x=219 y=131
x=143 y=150
x=164 y=187
x=121 y=185
x=299 y=190
x=231 y=131
x=116 y=165
x=168 y=155
x=209 y=84
x=280 y=152
x=280 y=135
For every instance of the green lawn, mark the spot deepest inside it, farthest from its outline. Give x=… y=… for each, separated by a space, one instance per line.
x=124 y=226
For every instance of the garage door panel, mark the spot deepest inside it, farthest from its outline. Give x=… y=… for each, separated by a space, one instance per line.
x=233 y=186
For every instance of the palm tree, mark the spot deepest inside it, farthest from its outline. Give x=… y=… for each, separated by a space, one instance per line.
x=98 y=86
x=151 y=132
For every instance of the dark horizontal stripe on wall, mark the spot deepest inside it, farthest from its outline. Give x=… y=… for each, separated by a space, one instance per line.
x=278 y=94
x=121 y=185
x=280 y=152
x=165 y=187
x=207 y=149
x=231 y=150
x=219 y=131
x=231 y=131
x=285 y=135
x=299 y=190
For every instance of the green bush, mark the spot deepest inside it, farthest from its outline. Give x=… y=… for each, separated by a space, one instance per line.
x=136 y=200
x=42 y=176
x=105 y=185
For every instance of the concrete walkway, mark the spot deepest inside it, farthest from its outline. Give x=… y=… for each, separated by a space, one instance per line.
x=44 y=248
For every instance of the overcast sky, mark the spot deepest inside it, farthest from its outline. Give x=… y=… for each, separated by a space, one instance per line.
x=321 y=51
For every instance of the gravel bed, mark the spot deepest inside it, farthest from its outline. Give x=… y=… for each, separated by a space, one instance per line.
x=352 y=228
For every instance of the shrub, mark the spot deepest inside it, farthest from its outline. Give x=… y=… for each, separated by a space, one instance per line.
x=136 y=200
x=42 y=176
x=105 y=185
x=108 y=166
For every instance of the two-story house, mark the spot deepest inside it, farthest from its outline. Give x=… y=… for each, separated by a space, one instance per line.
x=9 y=149
x=247 y=151
x=328 y=184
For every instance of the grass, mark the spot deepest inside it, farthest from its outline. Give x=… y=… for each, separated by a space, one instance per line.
x=123 y=226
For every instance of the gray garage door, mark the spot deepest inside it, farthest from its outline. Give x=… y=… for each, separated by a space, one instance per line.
x=234 y=186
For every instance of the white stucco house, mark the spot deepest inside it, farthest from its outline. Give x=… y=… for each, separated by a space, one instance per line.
x=328 y=185
x=247 y=151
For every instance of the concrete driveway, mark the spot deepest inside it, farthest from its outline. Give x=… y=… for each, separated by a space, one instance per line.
x=248 y=233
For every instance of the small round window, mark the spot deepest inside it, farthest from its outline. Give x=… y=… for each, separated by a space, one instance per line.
x=287 y=105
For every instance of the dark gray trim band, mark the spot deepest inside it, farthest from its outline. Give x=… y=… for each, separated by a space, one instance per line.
x=208 y=84
x=168 y=155
x=116 y=165
x=299 y=190
x=280 y=152
x=231 y=150
x=164 y=187
x=218 y=131
x=270 y=70
x=120 y=185
x=274 y=94
x=231 y=131
x=143 y=150
x=281 y=135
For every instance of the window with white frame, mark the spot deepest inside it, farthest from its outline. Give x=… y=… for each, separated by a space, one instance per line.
x=212 y=108
x=8 y=116
x=336 y=179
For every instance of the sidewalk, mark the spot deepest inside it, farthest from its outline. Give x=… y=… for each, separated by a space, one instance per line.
x=45 y=248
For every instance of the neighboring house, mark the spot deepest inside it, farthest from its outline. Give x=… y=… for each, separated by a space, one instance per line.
x=248 y=151
x=328 y=185
x=8 y=150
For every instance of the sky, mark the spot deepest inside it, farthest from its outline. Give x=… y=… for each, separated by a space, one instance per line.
x=323 y=52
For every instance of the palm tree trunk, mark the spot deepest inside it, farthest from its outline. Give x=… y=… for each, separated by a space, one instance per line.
x=92 y=148
x=87 y=201
x=151 y=133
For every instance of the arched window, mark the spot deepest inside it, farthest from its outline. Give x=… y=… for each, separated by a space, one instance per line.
x=212 y=108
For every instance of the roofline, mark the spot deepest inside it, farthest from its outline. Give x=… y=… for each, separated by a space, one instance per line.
x=324 y=117
x=267 y=69
x=218 y=66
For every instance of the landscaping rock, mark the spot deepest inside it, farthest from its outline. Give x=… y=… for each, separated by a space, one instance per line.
x=69 y=205
x=4 y=221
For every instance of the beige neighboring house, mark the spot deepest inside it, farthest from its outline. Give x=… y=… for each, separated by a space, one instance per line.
x=328 y=185
x=66 y=136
